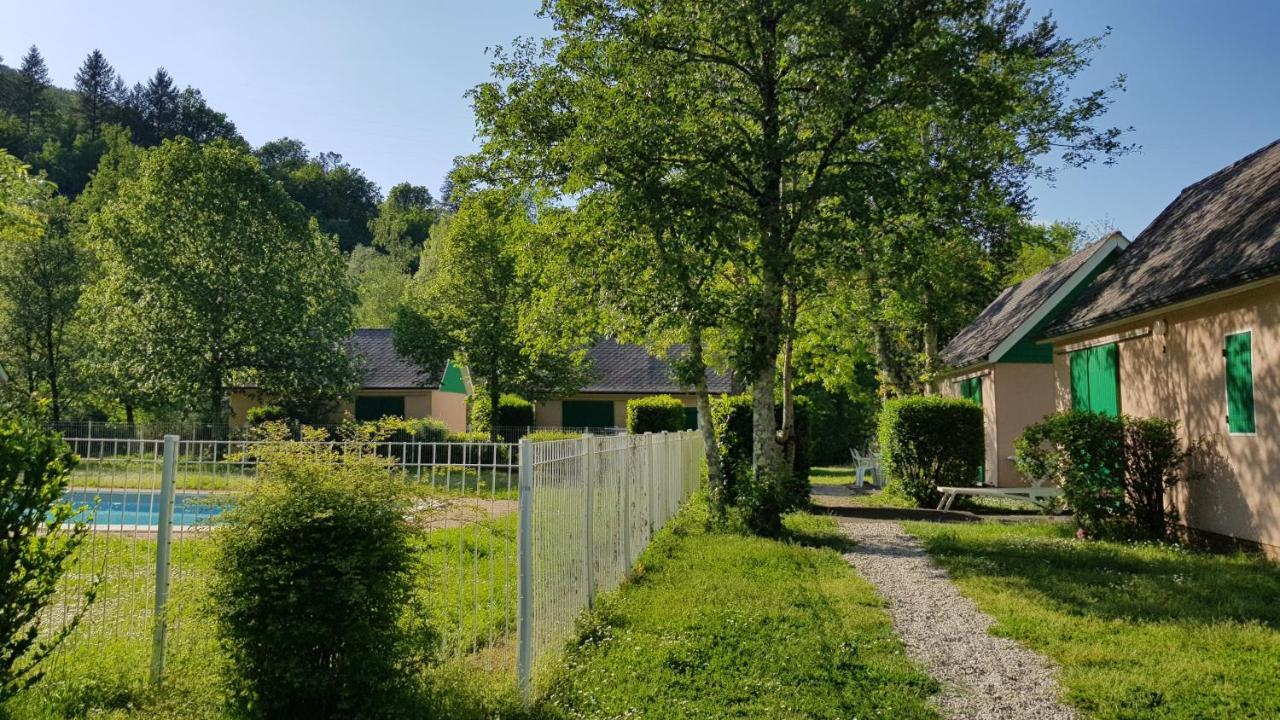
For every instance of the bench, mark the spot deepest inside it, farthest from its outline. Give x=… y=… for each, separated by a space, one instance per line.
x=1036 y=495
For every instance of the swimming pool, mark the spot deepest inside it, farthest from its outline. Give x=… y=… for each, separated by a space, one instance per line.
x=141 y=508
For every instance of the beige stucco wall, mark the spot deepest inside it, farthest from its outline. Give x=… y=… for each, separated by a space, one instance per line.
x=1024 y=396
x=448 y=407
x=1182 y=376
x=550 y=413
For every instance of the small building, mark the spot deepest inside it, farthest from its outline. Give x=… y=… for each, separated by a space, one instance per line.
x=1186 y=326
x=390 y=385
x=621 y=372
x=996 y=362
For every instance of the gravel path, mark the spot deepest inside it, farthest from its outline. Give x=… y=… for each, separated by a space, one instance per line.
x=983 y=677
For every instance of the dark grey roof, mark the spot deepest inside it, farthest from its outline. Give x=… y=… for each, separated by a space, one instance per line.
x=622 y=368
x=385 y=369
x=1220 y=232
x=1015 y=306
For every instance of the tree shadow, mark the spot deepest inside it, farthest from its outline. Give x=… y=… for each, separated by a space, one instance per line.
x=1118 y=582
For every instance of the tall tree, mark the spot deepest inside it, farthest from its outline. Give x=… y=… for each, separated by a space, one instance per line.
x=198 y=121
x=472 y=305
x=26 y=93
x=403 y=224
x=337 y=195
x=786 y=120
x=157 y=103
x=96 y=87
x=215 y=277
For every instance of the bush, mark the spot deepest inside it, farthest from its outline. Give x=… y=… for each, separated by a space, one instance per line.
x=930 y=441
x=265 y=413
x=1114 y=472
x=549 y=435
x=762 y=502
x=38 y=541
x=312 y=585
x=655 y=413
x=513 y=411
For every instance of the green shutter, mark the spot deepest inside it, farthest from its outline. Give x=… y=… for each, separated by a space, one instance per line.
x=1104 y=380
x=1239 y=360
x=1095 y=380
x=1080 y=380
x=376 y=407
x=587 y=414
x=971 y=389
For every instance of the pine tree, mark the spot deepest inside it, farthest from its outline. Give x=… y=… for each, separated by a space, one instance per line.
x=27 y=96
x=159 y=108
x=96 y=83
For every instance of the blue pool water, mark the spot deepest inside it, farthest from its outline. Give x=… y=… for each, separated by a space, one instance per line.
x=142 y=507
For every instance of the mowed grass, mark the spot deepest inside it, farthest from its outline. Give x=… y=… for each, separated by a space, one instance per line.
x=1140 y=631
x=718 y=624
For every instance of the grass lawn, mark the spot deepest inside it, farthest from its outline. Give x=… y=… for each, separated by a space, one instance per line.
x=723 y=625
x=1140 y=631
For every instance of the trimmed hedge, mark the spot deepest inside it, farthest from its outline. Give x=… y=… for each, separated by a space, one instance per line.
x=656 y=413
x=513 y=411
x=731 y=423
x=259 y=414
x=928 y=441
x=547 y=435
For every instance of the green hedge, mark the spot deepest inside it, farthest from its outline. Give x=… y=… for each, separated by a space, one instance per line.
x=731 y=423
x=513 y=411
x=930 y=441
x=259 y=414
x=547 y=435
x=656 y=413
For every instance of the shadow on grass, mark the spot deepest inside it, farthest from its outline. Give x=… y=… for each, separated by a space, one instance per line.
x=817 y=531
x=1116 y=581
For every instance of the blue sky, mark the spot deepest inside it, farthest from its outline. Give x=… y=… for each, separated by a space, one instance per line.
x=383 y=81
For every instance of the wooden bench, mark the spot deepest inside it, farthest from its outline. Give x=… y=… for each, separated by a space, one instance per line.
x=1036 y=495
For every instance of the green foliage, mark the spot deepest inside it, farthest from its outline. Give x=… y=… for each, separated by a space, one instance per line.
x=1139 y=630
x=762 y=499
x=340 y=198
x=403 y=224
x=38 y=540
x=715 y=612
x=313 y=585
x=259 y=414
x=839 y=421
x=380 y=283
x=550 y=435
x=214 y=276
x=1114 y=472
x=731 y=421
x=655 y=413
x=1045 y=246
x=930 y=441
x=513 y=411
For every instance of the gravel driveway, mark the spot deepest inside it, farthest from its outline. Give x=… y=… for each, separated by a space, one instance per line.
x=983 y=677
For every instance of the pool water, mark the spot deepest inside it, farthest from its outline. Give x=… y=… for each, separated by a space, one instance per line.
x=142 y=507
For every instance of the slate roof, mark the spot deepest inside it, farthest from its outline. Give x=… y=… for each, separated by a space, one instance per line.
x=623 y=368
x=1220 y=232
x=385 y=369
x=1014 y=307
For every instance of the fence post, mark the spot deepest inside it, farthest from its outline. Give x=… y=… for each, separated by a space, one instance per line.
x=588 y=510
x=626 y=502
x=524 y=555
x=164 y=534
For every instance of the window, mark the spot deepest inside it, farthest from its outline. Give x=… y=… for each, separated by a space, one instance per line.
x=1095 y=380
x=1238 y=353
x=376 y=407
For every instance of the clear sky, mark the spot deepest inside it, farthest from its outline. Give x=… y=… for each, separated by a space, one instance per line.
x=382 y=81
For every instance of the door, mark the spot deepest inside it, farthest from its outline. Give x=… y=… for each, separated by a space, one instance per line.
x=376 y=407
x=587 y=414
x=1095 y=380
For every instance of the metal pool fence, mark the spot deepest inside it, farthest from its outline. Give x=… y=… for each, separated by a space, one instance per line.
x=520 y=537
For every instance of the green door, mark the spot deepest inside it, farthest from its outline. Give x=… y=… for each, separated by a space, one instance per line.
x=971 y=390
x=1095 y=379
x=691 y=418
x=587 y=414
x=376 y=407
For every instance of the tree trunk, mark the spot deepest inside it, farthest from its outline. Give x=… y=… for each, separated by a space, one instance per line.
x=787 y=431
x=766 y=453
x=715 y=477
x=51 y=364
x=128 y=413
x=495 y=397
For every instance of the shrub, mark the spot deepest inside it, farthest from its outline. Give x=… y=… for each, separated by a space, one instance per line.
x=38 y=541
x=928 y=441
x=312 y=583
x=761 y=501
x=548 y=435
x=1114 y=472
x=513 y=411
x=656 y=413
x=265 y=413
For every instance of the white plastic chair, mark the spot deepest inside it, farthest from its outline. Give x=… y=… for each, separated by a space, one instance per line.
x=864 y=465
